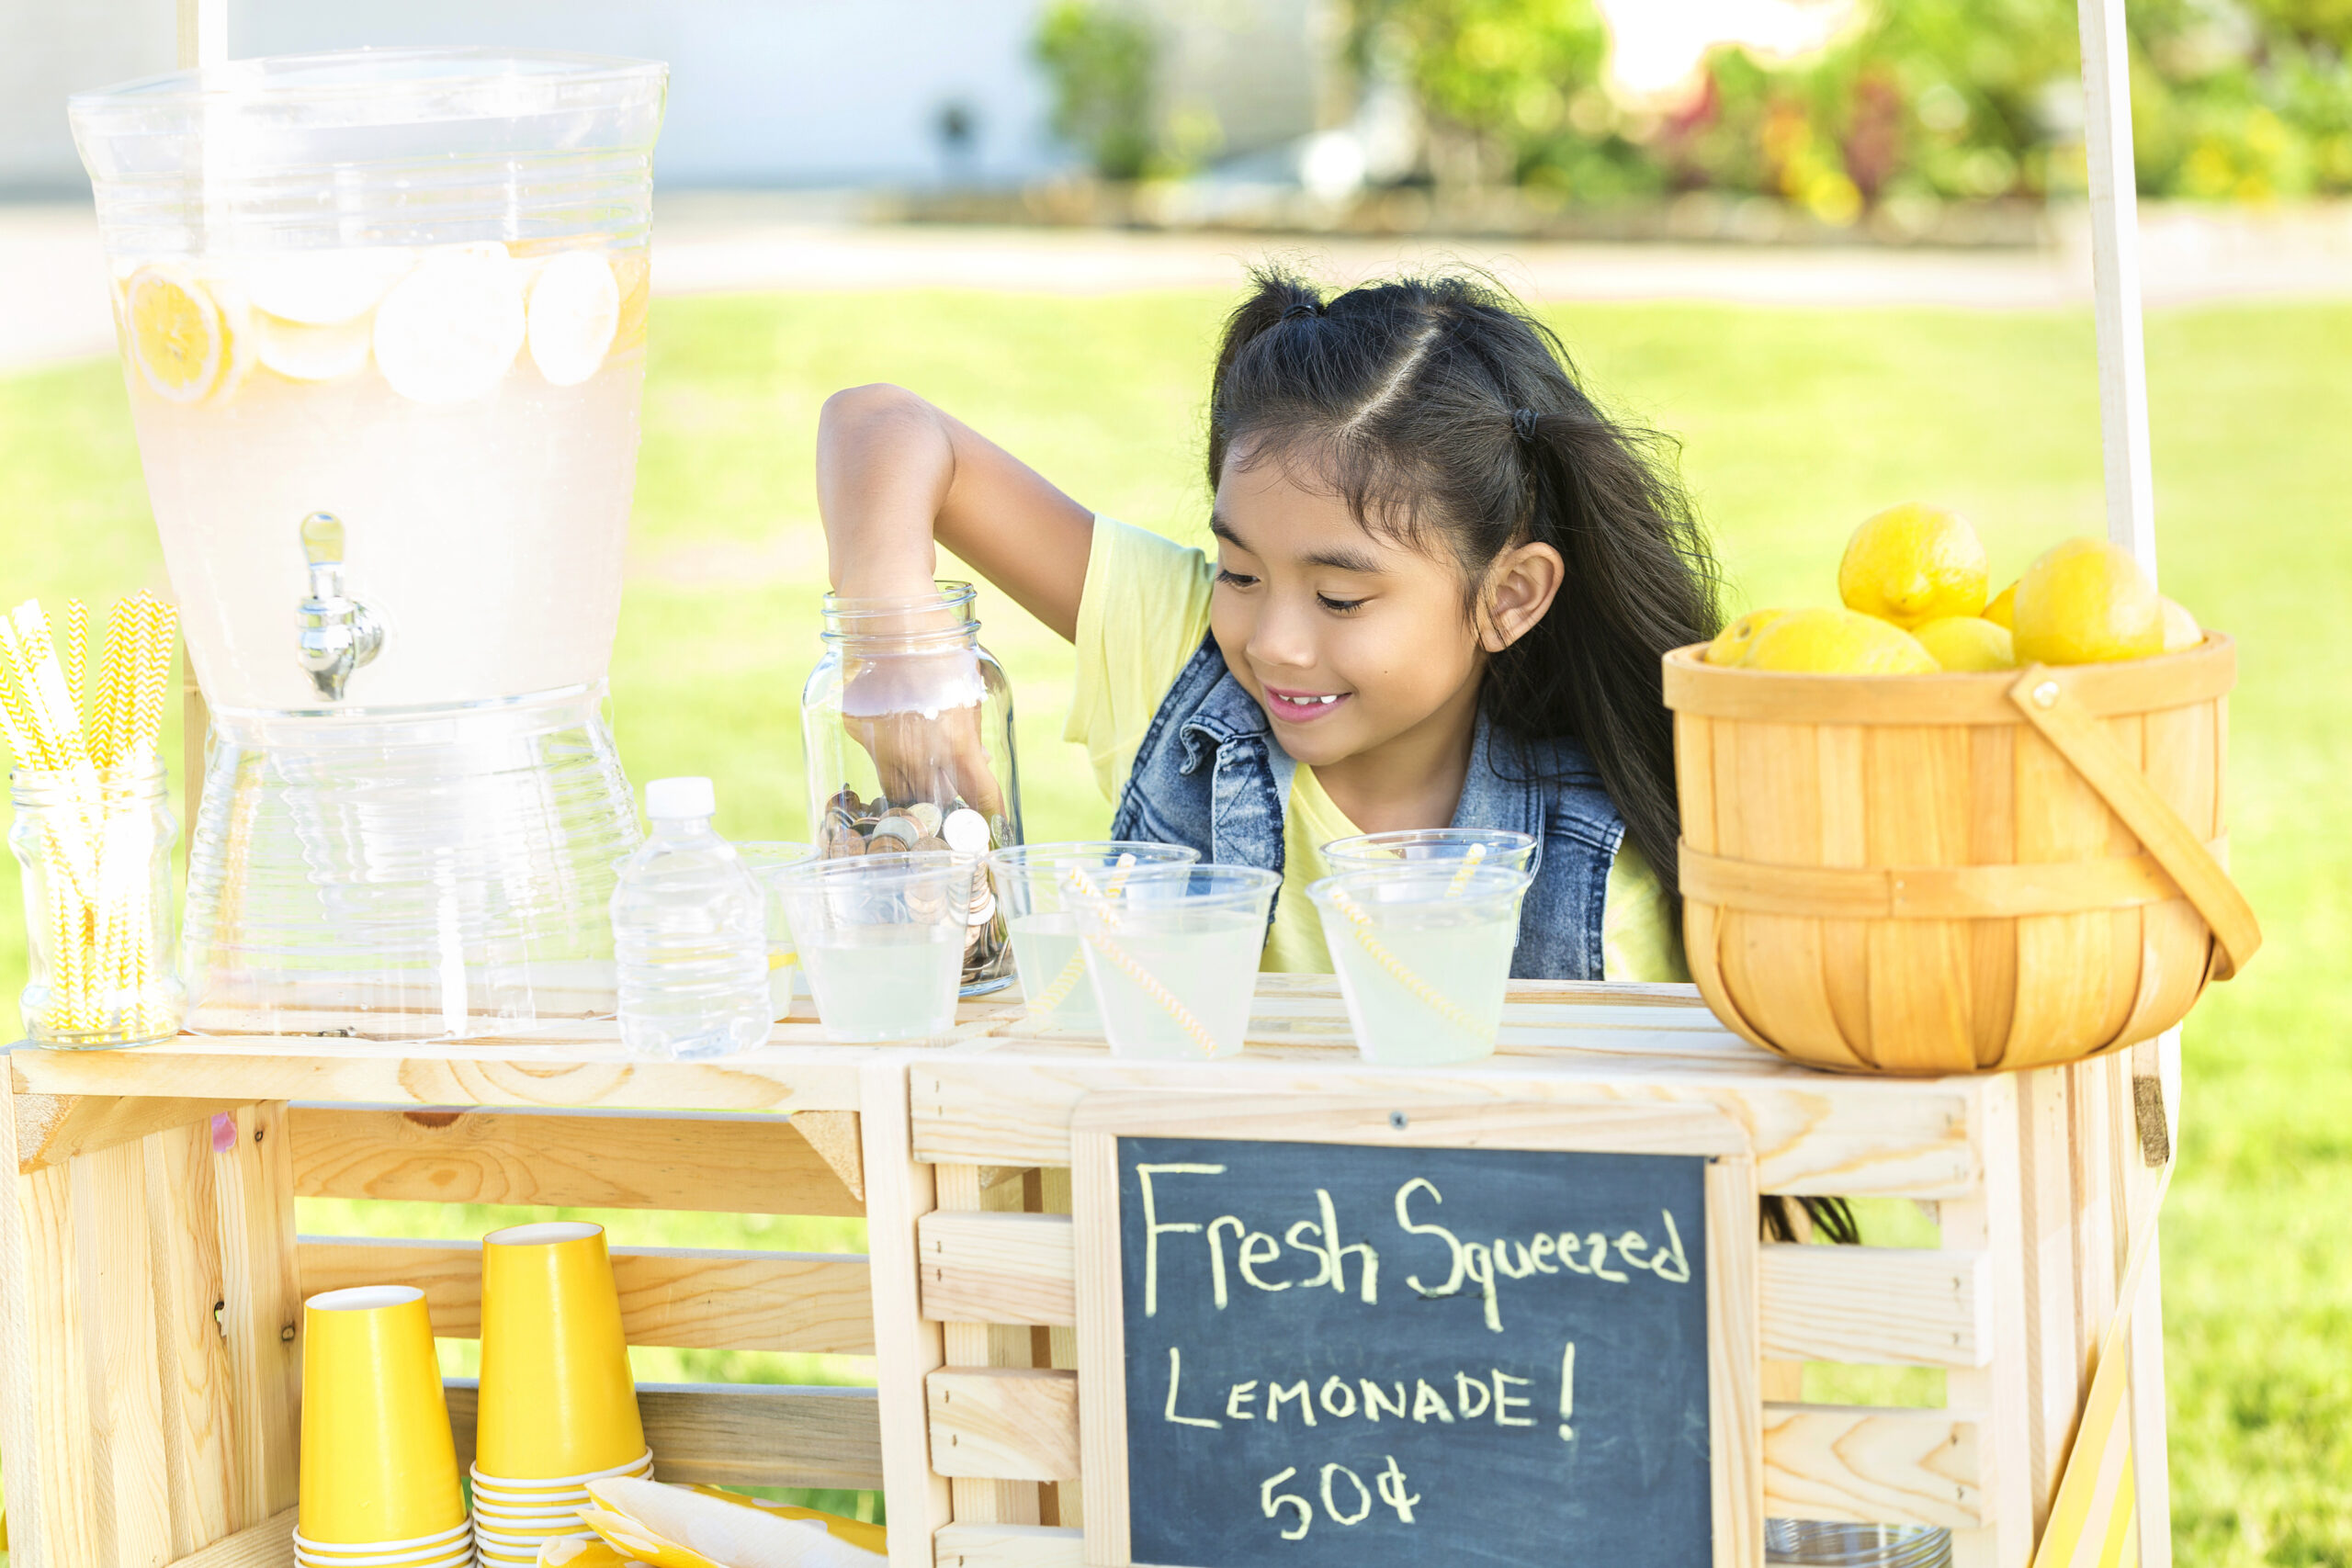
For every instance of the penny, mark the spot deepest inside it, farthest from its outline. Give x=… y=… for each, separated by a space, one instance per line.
x=842 y=846
x=847 y=803
x=966 y=831
x=931 y=846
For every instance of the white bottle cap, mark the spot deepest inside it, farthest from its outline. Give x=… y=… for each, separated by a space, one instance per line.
x=680 y=798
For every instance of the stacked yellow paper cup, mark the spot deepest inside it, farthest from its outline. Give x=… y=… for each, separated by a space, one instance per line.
x=559 y=1407
x=380 y=1470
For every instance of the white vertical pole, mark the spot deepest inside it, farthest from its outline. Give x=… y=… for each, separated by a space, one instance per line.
x=2115 y=281
x=204 y=32
x=2132 y=522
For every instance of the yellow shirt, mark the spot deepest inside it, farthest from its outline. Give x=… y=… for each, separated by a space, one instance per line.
x=1145 y=610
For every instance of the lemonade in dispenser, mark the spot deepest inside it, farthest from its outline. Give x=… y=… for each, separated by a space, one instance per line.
x=382 y=320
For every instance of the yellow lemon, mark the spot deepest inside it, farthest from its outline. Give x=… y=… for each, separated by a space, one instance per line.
x=1732 y=643
x=2001 y=612
x=2087 y=602
x=2181 y=630
x=181 y=339
x=1912 y=564
x=1968 y=642
x=1838 y=642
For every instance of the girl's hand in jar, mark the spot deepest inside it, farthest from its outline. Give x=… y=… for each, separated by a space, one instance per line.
x=919 y=716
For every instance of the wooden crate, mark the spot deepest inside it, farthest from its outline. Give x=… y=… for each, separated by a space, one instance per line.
x=2032 y=1176
x=151 y=1277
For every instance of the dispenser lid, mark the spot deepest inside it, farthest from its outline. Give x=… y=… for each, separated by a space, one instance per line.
x=680 y=798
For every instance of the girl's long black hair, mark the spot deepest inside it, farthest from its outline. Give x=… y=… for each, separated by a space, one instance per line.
x=1446 y=414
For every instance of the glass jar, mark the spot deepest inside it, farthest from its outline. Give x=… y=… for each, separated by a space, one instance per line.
x=907 y=726
x=95 y=846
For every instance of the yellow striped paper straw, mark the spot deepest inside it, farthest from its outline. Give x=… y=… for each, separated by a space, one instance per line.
x=1145 y=980
x=1075 y=970
x=1469 y=868
x=77 y=648
x=1421 y=990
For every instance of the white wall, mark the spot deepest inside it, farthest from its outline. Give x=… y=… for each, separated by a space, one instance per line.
x=48 y=48
x=762 y=92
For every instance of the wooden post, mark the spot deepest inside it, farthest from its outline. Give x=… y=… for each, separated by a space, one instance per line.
x=2132 y=522
x=204 y=32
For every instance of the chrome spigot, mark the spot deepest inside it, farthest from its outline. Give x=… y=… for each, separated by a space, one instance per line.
x=339 y=634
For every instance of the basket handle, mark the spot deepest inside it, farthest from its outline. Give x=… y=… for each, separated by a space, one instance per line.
x=2079 y=736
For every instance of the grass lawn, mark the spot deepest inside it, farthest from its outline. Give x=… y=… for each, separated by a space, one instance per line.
x=1795 y=424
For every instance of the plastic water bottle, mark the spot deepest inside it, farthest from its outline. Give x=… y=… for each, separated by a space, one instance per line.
x=689 y=934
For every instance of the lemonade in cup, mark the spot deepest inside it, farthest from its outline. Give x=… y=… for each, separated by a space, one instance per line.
x=1423 y=956
x=1173 y=955
x=882 y=938
x=1034 y=884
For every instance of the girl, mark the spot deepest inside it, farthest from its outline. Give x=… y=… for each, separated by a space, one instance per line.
x=1442 y=584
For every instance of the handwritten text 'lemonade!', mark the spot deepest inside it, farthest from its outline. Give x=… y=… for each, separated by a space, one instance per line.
x=1311 y=1257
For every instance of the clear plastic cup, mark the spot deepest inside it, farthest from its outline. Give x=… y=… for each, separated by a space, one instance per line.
x=1174 y=957
x=557 y=1398
x=1423 y=956
x=1496 y=846
x=1034 y=884
x=1833 y=1545
x=882 y=938
x=379 y=1466
x=768 y=859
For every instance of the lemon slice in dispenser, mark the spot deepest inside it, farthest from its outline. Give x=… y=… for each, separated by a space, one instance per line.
x=575 y=310
x=181 y=333
x=324 y=287
x=304 y=351
x=447 y=331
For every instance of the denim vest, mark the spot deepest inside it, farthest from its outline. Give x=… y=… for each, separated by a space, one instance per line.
x=1231 y=810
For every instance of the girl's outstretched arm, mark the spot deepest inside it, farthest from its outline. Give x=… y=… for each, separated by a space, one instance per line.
x=895 y=474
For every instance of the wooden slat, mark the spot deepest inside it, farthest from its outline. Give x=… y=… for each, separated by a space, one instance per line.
x=1874 y=1465
x=838 y=1140
x=1008 y=1546
x=269 y=1544
x=117 y=1290
x=554 y=1068
x=690 y=1298
x=1876 y=1305
x=1813 y=1134
x=720 y=1163
x=738 y=1434
x=1004 y=1424
x=262 y=1311
x=183 y=1240
x=970 y=1189
x=998 y=1269
x=907 y=1349
x=53 y=1129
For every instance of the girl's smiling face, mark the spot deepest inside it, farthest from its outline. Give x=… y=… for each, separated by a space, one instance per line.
x=1356 y=644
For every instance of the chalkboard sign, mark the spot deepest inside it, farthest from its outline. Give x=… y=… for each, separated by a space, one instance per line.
x=1360 y=1355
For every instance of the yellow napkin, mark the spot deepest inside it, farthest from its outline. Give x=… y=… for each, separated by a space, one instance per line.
x=702 y=1527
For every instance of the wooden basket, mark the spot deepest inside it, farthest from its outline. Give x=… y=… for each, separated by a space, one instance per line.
x=1943 y=874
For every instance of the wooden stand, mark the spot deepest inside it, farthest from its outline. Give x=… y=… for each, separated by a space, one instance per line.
x=152 y=1278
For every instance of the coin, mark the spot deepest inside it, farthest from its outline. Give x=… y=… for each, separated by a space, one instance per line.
x=983 y=909
x=840 y=846
x=931 y=846
x=900 y=829
x=927 y=816
x=966 y=831
x=847 y=803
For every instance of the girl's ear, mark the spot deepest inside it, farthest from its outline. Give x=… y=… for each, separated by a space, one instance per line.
x=1521 y=585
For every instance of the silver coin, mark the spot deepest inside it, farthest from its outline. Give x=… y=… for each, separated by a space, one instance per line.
x=927 y=816
x=967 y=831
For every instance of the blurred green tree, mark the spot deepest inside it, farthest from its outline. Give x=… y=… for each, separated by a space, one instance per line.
x=1101 y=64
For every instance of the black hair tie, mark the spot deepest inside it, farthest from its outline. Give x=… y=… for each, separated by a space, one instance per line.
x=1303 y=308
x=1523 y=423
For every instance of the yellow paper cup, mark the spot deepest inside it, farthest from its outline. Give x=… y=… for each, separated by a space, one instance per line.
x=557 y=1398
x=378 y=1465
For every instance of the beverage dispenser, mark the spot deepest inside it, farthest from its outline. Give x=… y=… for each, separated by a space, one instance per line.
x=382 y=320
